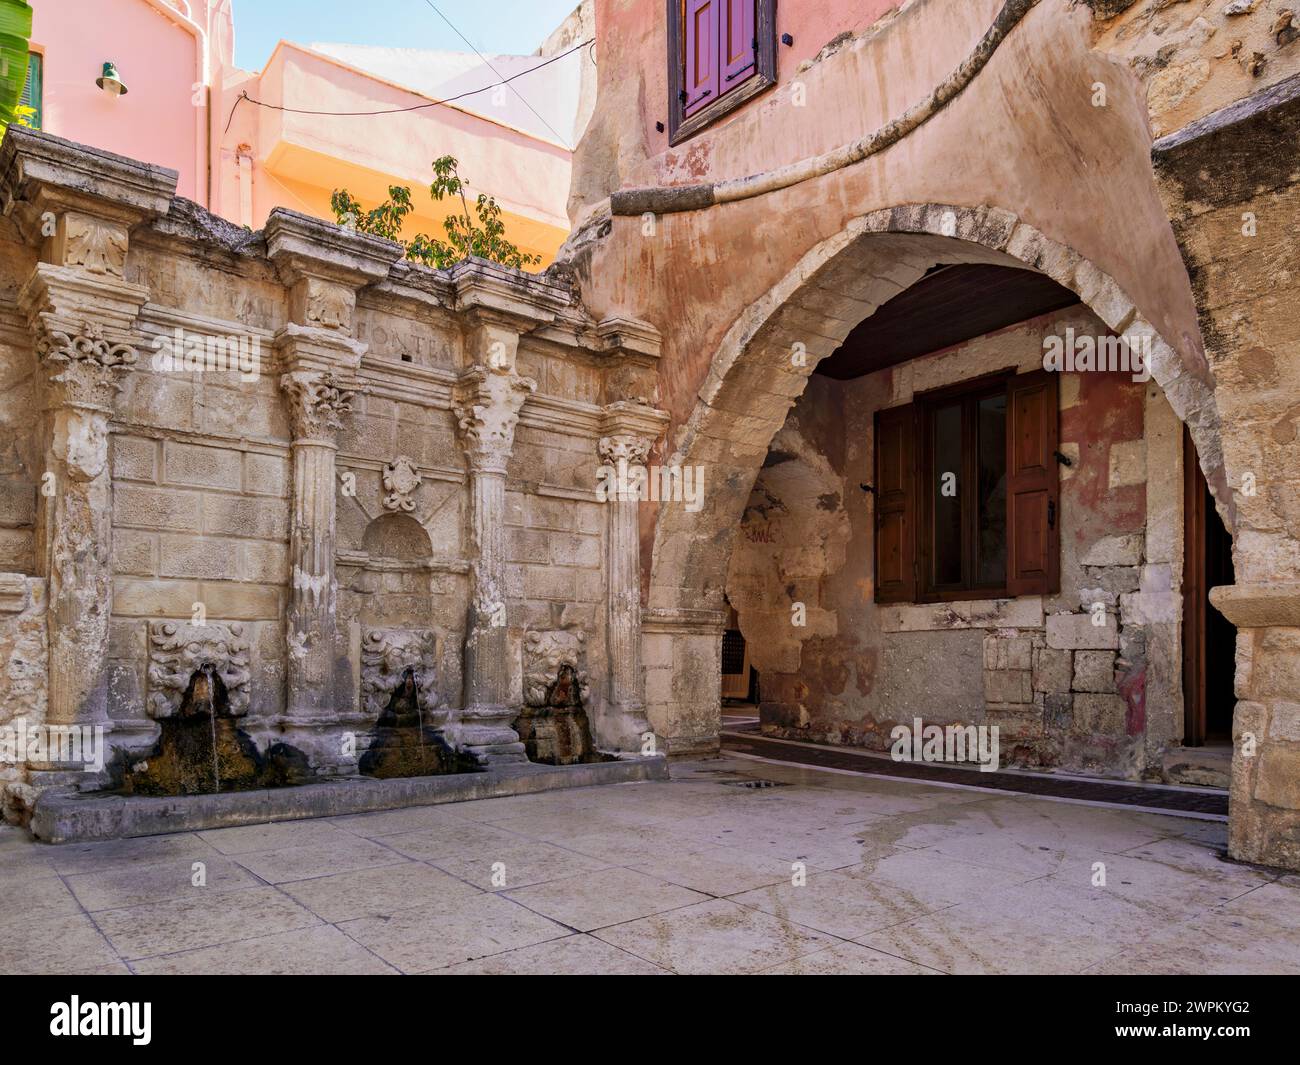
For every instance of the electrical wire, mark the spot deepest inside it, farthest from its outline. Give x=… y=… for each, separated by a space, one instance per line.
x=416 y=107
x=488 y=64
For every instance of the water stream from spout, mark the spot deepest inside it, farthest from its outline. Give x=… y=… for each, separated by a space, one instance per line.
x=212 y=718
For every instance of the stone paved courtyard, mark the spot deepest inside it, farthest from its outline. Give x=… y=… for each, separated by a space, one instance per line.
x=688 y=876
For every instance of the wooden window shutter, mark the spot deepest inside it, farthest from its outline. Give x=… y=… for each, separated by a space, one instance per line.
x=896 y=505
x=700 y=36
x=739 y=42
x=1033 y=485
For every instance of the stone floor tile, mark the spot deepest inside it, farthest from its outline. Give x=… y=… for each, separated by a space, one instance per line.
x=119 y=888
x=611 y=896
x=320 y=950
x=848 y=959
x=456 y=930
x=575 y=955
x=376 y=892
x=519 y=865
x=717 y=936
x=183 y=924
x=67 y=944
x=341 y=855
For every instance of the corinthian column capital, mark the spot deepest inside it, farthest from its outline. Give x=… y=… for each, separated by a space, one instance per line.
x=317 y=401
x=487 y=405
x=627 y=448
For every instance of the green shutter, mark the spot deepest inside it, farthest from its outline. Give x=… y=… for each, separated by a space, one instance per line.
x=33 y=89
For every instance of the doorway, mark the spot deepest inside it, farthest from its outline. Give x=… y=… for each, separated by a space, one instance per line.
x=1209 y=639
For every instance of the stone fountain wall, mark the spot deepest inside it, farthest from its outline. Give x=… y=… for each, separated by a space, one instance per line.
x=295 y=455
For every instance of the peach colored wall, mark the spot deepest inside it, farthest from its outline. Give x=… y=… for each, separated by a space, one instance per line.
x=299 y=159
x=1024 y=137
x=159 y=59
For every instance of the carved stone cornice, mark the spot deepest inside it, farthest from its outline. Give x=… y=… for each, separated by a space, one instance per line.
x=43 y=176
x=303 y=247
x=630 y=338
x=630 y=419
x=487 y=407
x=317 y=401
x=500 y=295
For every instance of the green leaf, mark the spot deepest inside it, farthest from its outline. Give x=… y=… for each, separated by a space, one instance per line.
x=15 y=35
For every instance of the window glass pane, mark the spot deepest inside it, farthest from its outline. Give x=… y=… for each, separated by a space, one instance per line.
x=947 y=495
x=991 y=548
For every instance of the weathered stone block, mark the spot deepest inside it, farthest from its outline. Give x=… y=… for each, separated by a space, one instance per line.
x=1284 y=722
x=202 y=467
x=1002 y=652
x=582 y=551
x=134 y=552
x=135 y=458
x=156 y=508
x=1058 y=710
x=528 y=545
x=1008 y=686
x=240 y=602
x=1113 y=580
x=550 y=583
x=266 y=475
x=1128 y=463
x=591 y=586
x=1053 y=669
x=264 y=562
x=1103 y=715
x=1094 y=671
x=163 y=599
x=188 y=556
x=1077 y=631
x=239 y=516
x=1114 y=551
x=1277 y=780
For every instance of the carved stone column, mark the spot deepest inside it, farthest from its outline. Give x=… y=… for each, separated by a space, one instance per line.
x=624 y=453
x=487 y=407
x=316 y=399
x=323 y=267
x=79 y=206
x=75 y=524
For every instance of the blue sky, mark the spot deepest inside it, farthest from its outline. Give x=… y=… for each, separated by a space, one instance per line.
x=495 y=26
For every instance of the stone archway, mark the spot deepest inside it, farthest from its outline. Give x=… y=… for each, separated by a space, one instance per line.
x=762 y=367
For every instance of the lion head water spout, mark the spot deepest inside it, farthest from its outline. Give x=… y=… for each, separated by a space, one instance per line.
x=200 y=748
x=402 y=744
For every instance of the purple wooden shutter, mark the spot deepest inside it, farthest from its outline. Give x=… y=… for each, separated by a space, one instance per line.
x=701 y=37
x=739 y=42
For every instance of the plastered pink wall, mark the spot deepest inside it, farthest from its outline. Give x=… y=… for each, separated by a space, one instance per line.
x=158 y=60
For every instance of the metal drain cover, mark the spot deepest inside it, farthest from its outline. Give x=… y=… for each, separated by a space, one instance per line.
x=756 y=782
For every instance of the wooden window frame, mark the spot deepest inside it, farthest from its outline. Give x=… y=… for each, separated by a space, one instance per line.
x=680 y=127
x=911 y=503
x=969 y=393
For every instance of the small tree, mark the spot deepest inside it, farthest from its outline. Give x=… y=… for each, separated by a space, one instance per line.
x=486 y=240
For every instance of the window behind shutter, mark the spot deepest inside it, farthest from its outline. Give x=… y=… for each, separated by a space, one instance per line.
x=895 y=505
x=33 y=88
x=702 y=23
x=739 y=42
x=1033 y=486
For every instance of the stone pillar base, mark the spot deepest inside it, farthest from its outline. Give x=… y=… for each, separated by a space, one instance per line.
x=486 y=736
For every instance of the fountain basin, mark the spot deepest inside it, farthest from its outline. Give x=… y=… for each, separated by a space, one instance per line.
x=68 y=816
